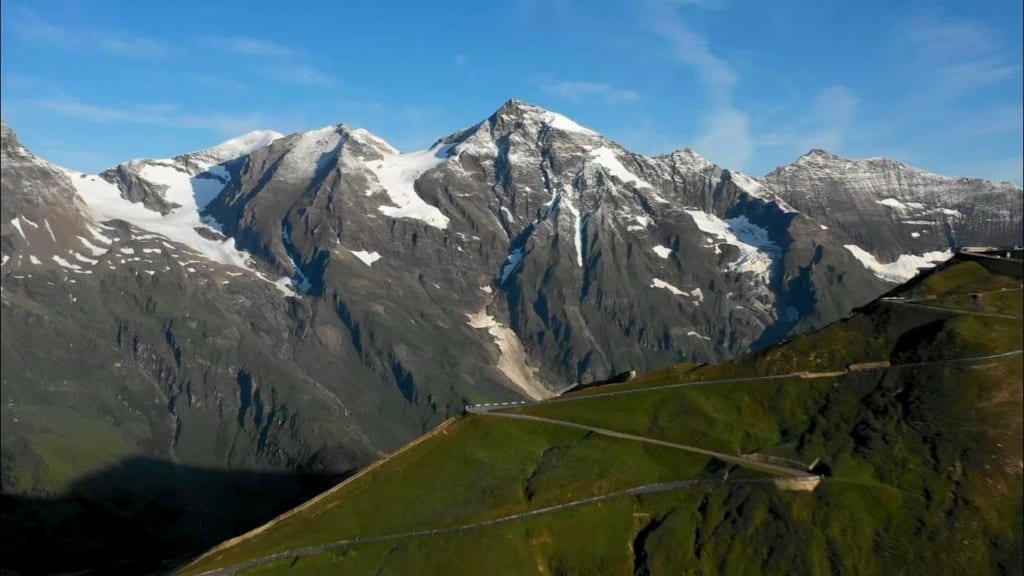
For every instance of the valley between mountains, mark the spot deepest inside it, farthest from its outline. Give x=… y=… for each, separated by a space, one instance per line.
x=204 y=341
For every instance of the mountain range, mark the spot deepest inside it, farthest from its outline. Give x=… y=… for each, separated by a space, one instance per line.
x=308 y=303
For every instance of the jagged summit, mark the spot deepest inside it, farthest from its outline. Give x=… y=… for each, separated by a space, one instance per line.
x=535 y=116
x=689 y=158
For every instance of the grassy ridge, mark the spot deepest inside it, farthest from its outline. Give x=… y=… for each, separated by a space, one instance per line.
x=925 y=474
x=478 y=469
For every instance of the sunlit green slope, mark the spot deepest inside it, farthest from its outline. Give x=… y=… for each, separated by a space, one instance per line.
x=920 y=458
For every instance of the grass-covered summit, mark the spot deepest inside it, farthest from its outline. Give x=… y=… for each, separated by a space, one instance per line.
x=910 y=410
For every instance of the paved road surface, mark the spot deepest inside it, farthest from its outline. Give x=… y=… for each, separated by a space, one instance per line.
x=791 y=375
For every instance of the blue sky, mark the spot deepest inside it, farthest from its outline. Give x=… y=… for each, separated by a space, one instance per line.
x=749 y=85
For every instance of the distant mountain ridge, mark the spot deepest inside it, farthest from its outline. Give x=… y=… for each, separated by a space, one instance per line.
x=311 y=301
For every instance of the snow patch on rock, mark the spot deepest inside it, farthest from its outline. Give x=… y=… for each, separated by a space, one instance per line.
x=606 y=158
x=903 y=268
x=662 y=251
x=658 y=283
x=65 y=263
x=559 y=122
x=577 y=238
x=397 y=175
x=16 y=222
x=757 y=251
x=105 y=202
x=365 y=257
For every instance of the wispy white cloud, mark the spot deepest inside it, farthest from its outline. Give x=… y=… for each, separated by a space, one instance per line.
x=834 y=113
x=297 y=73
x=152 y=114
x=579 y=91
x=691 y=48
x=273 y=60
x=979 y=73
x=826 y=125
x=726 y=138
x=30 y=26
x=950 y=38
x=965 y=55
x=247 y=46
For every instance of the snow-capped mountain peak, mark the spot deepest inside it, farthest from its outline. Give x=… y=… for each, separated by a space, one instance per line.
x=534 y=117
x=236 y=147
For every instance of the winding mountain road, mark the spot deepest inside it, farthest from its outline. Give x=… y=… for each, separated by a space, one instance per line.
x=495 y=410
x=730 y=458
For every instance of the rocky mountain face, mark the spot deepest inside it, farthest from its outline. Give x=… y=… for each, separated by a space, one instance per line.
x=307 y=302
x=891 y=210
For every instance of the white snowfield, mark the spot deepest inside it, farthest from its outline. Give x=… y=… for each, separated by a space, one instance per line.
x=564 y=124
x=757 y=251
x=189 y=193
x=606 y=158
x=367 y=137
x=662 y=251
x=105 y=202
x=904 y=268
x=397 y=175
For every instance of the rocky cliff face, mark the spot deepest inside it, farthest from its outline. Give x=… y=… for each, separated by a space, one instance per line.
x=309 y=301
x=890 y=209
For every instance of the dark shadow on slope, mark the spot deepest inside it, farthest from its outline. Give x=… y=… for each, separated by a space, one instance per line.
x=143 y=516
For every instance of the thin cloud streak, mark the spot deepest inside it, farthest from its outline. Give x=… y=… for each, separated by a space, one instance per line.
x=965 y=56
x=273 y=60
x=826 y=126
x=247 y=46
x=154 y=115
x=301 y=74
x=30 y=26
x=579 y=91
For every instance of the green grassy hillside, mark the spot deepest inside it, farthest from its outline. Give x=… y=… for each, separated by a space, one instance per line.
x=921 y=462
